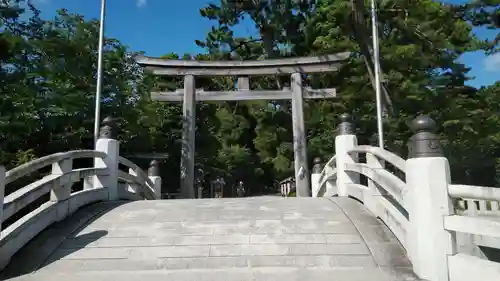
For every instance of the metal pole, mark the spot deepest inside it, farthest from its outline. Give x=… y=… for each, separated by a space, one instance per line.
x=376 y=58
x=97 y=116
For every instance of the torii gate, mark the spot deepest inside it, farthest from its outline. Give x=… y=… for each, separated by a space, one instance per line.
x=243 y=69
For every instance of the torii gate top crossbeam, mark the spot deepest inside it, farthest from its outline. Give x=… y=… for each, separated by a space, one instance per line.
x=168 y=67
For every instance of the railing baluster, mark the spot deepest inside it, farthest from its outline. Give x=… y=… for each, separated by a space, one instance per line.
x=471 y=207
x=243 y=83
x=62 y=191
x=131 y=186
x=494 y=206
x=482 y=206
x=88 y=183
x=461 y=205
x=372 y=193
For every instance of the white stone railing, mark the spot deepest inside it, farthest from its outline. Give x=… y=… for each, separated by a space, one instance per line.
x=481 y=225
x=286 y=186
x=138 y=183
x=385 y=195
x=424 y=210
x=476 y=200
x=100 y=183
x=324 y=183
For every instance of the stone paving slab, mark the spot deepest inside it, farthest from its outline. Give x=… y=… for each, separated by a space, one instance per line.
x=260 y=238
x=324 y=261
x=234 y=274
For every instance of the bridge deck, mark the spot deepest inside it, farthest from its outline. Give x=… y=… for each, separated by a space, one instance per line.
x=259 y=238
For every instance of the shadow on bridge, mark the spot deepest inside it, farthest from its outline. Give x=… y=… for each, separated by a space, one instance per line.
x=61 y=239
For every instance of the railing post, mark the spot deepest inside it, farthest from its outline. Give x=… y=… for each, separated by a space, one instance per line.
x=345 y=141
x=154 y=176
x=315 y=176
x=108 y=144
x=427 y=179
x=370 y=197
x=62 y=191
x=2 y=193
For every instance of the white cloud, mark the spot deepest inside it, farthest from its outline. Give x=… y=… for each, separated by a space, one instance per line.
x=492 y=63
x=141 y=3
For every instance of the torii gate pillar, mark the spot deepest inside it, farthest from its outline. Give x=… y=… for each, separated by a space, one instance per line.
x=188 y=137
x=299 y=138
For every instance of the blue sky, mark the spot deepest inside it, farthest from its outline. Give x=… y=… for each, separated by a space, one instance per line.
x=163 y=26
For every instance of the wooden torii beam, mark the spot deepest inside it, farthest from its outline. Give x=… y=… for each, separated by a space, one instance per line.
x=243 y=69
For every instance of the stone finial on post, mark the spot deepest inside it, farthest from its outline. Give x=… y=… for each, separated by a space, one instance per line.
x=154 y=176
x=346 y=125
x=315 y=176
x=109 y=145
x=154 y=169
x=317 y=165
x=108 y=129
x=427 y=180
x=344 y=142
x=424 y=142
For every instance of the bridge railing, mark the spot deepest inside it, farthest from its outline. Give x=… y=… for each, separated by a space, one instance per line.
x=26 y=212
x=137 y=183
x=287 y=186
x=439 y=224
x=475 y=204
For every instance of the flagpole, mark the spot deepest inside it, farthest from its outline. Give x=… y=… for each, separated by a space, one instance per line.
x=376 y=58
x=97 y=117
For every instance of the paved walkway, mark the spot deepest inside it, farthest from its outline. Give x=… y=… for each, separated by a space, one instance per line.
x=259 y=238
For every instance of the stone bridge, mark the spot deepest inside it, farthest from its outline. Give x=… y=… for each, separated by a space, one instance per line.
x=259 y=238
x=407 y=225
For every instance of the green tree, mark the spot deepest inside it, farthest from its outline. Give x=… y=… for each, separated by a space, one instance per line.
x=421 y=42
